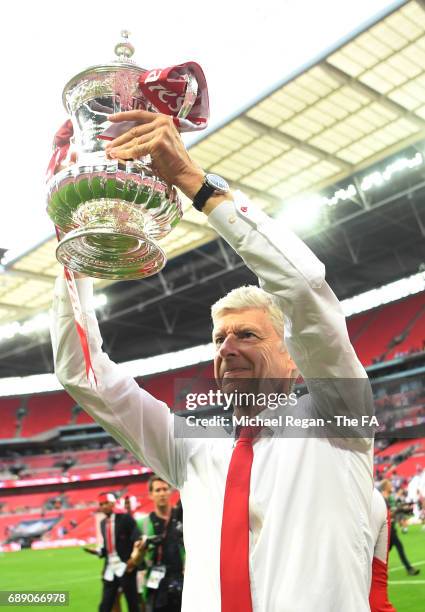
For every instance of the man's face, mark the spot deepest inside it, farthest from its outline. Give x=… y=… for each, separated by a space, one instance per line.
x=247 y=347
x=160 y=494
x=106 y=507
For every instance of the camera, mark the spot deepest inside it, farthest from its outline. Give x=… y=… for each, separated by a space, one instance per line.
x=175 y=586
x=154 y=540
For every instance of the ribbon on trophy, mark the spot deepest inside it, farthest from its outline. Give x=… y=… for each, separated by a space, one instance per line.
x=61 y=144
x=179 y=91
x=79 y=321
x=170 y=90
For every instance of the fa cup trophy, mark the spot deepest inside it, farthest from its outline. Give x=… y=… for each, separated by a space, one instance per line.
x=111 y=213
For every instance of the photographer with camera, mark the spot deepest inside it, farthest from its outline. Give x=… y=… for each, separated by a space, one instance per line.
x=164 y=557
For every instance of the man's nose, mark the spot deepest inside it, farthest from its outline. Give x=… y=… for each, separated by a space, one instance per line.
x=229 y=346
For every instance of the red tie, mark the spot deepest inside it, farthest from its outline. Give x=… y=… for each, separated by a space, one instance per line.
x=234 y=553
x=109 y=536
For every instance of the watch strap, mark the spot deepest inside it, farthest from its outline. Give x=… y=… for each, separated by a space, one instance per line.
x=202 y=196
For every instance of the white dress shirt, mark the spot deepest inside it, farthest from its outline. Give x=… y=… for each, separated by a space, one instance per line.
x=114 y=565
x=311 y=545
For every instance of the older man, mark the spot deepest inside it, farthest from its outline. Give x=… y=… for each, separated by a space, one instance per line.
x=271 y=523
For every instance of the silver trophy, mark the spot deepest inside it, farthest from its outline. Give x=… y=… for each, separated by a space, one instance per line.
x=111 y=213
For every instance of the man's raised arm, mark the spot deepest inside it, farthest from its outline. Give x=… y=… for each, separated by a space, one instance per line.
x=138 y=421
x=316 y=332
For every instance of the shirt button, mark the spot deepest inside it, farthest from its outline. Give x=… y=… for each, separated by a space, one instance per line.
x=231 y=219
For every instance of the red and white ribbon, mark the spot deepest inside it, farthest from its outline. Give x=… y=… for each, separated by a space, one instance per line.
x=61 y=143
x=166 y=89
x=80 y=325
x=79 y=321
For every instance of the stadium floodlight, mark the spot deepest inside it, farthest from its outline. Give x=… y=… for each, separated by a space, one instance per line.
x=9 y=330
x=385 y=294
x=304 y=213
x=301 y=214
x=377 y=179
x=99 y=300
x=169 y=361
x=27 y=385
x=38 y=323
x=341 y=195
x=43 y=383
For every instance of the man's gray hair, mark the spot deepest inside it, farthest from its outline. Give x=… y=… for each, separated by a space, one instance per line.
x=251 y=296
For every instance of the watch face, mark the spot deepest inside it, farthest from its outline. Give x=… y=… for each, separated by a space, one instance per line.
x=218 y=183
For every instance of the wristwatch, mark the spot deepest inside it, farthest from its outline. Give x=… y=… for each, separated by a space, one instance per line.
x=212 y=185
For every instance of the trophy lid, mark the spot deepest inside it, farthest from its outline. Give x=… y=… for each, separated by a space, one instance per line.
x=124 y=51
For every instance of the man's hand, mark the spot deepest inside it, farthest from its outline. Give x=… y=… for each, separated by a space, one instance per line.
x=157 y=136
x=137 y=553
x=131 y=566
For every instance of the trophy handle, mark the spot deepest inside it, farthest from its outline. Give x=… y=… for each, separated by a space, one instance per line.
x=189 y=96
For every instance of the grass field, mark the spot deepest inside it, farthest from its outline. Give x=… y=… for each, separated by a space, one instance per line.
x=407 y=593
x=79 y=573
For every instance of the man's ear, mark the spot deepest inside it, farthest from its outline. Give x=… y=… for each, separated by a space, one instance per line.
x=289 y=361
x=292 y=367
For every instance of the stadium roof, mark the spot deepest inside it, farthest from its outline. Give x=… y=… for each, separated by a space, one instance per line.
x=359 y=104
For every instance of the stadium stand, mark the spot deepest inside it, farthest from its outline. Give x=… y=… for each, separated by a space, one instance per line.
x=379 y=334
x=384 y=332
x=407 y=468
x=72 y=514
x=8 y=409
x=45 y=412
x=402 y=457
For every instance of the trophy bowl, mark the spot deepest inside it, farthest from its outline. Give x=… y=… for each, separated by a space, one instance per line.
x=110 y=213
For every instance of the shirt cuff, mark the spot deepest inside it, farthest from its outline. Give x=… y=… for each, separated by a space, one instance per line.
x=233 y=219
x=61 y=302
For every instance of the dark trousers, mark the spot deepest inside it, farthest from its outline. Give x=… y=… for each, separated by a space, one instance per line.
x=394 y=541
x=129 y=586
x=174 y=604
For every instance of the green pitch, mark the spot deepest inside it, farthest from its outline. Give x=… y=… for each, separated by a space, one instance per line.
x=66 y=569
x=407 y=593
x=79 y=573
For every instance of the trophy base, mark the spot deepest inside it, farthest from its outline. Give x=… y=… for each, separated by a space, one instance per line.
x=104 y=252
x=112 y=216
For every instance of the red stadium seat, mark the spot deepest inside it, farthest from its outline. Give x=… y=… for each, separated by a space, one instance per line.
x=8 y=408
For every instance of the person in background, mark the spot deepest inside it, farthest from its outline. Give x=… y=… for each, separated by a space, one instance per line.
x=119 y=533
x=165 y=555
x=386 y=490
